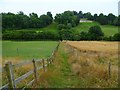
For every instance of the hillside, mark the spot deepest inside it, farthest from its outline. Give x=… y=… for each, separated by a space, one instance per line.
x=50 y=32
x=107 y=29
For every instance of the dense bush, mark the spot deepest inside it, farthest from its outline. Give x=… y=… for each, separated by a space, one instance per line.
x=62 y=26
x=66 y=34
x=29 y=35
x=95 y=33
x=116 y=37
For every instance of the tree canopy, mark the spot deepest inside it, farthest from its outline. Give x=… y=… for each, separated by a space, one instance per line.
x=22 y=21
x=68 y=17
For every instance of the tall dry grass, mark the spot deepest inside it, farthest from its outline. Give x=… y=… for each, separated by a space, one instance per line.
x=90 y=60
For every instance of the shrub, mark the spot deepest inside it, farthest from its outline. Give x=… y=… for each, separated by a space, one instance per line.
x=95 y=33
x=116 y=37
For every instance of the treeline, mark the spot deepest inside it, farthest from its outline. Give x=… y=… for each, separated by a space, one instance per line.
x=101 y=18
x=65 y=21
x=22 y=21
x=29 y=35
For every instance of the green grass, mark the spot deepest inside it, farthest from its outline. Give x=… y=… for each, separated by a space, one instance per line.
x=107 y=29
x=84 y=26
x=28 y=49
x=59 y=74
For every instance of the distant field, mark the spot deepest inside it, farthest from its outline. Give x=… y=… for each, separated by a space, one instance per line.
x=107 y=29
x=84 y=26
x=27 y=49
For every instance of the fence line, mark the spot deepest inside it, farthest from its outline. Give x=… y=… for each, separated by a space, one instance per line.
x=12 y=82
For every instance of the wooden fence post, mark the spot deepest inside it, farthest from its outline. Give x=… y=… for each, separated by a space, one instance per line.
x=50 y=60
x=43 y=65
x=47 y=61
x=17 y=52
x=109 y=70
x=10 y=75
x=35 y=70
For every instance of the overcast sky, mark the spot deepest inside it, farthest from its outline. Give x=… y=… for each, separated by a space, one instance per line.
x=58 y=6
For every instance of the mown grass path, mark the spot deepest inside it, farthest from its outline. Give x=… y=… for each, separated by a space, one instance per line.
x=59 y=74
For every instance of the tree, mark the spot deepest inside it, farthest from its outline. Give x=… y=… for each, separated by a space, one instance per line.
x=34 y=20
x=49 y=14
x=116 y=22
x=102 y=19
x=45 y=20
x=88 y=16
x=116 y=37
x=75 y=13
x=95 y=17
x=70 y=17
x=95 y=33
x=83 y=36
x=80 y=14
x=111 y=18
x=66 y=34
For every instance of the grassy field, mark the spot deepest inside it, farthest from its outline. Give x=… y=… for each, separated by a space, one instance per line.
x=84 y=26
x=24 y=50
x=107 y=29
x=78 y=66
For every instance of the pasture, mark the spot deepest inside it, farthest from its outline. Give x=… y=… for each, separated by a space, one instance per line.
x=83 y=64
x=108 y=30
x=27 y=50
